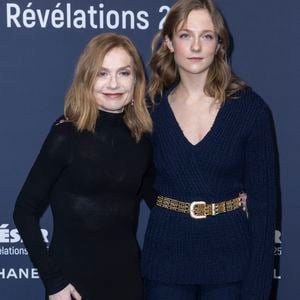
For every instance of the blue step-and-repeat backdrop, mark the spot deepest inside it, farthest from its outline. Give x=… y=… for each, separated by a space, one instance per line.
x=40 y=42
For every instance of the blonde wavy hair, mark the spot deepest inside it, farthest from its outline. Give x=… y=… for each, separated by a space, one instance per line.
x=220 y=82
x=80 y=105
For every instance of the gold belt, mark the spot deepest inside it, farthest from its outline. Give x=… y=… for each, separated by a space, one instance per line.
x=199 y=209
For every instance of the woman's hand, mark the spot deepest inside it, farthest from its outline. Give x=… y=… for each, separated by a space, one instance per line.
x=68 y=293
x=243 y=203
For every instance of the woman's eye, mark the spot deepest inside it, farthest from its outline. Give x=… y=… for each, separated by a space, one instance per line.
x=208 y=37
x=102 y=74
x=125 y=73
x=183 y=35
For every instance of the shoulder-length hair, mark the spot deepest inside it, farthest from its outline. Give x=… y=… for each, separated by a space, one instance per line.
x=220 y=82
x=80 y=105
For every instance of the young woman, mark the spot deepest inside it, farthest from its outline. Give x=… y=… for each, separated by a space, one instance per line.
x=212 y=138
x=92 y=170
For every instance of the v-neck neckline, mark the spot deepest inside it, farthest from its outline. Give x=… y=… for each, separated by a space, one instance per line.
x=179 y=129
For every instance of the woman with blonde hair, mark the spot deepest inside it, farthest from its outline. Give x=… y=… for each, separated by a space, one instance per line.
x=93 y=168
x=213 y=137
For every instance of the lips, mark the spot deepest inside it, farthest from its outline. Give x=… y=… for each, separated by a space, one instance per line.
x=113 y=95
x=195 y=58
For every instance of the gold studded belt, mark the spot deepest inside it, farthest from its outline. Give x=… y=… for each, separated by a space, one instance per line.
x=199 y=209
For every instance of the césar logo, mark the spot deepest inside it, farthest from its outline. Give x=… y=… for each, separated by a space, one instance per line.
x=8 y=235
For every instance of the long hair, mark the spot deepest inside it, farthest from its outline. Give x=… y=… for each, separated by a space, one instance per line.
x=220 y=82
x=80 y=105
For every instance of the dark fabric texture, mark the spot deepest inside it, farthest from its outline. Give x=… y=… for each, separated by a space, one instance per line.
x=93 y=183
x=156 y=290
x=237 y=154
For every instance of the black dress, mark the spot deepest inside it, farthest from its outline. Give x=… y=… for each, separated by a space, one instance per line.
x=93 y=183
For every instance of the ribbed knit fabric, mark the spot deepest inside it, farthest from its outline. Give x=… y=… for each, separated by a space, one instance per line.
x=237 y=154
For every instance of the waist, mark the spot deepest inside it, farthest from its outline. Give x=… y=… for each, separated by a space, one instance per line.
x=199 y=209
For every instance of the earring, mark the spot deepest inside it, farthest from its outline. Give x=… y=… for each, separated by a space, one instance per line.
x=132 y=102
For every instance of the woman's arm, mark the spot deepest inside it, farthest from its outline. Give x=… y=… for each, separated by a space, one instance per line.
x=148 y=192
x=261 y=178
x=34 y=199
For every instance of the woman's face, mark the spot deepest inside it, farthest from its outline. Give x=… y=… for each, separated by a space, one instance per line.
x=194 y=43
x=114 y=85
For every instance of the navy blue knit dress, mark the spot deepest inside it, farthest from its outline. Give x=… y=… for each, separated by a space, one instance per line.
x=237 y=154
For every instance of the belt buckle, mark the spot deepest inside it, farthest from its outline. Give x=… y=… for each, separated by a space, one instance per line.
x=193 y=214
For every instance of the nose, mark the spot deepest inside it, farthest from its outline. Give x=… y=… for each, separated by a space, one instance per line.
x=196 y=46
x=113 y=81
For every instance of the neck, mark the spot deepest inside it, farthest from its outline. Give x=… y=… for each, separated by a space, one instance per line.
x=109 y=118
x=191 y=87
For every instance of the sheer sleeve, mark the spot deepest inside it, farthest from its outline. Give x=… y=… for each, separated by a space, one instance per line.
x=148 y=192
x=33 y=199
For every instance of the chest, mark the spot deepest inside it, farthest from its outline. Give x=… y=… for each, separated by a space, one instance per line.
x=109 y=160
x=221 y=147
x=194 y=122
